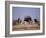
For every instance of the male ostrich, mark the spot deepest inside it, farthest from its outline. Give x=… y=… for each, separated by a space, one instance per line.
x=36 y=21
x=28 y=19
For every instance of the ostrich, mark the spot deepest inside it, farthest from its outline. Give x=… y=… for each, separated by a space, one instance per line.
x=28 y=19
x=36 y=21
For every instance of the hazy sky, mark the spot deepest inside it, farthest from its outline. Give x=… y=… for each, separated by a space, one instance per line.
x=21 y=12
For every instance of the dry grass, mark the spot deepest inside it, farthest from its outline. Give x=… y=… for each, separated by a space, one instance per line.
x=22 y=27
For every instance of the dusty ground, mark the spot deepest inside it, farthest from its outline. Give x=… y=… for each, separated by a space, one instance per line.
x=21 y=27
